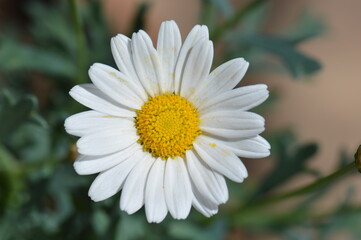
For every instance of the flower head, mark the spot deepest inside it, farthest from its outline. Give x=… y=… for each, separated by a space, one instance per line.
x=162 y=128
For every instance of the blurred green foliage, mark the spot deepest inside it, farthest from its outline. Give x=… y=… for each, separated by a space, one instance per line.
x=41 y=196
x=291 y=160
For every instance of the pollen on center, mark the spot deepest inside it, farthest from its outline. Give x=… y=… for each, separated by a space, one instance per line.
x=167 y=125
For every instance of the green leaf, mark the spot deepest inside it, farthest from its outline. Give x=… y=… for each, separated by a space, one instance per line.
x=31 y=141
x=10 y=180
x=189 y=230
x=308 y=26
x=100 y=222
x=15 y=112
x=291 y=159
x=297 y=63
x=224 y=7
x=16 y=56
x=130 y=227
x=236 y=18
x=253 y=21
x=55 y=33
x=185 y=230
x=38 y=120
x=13 y=116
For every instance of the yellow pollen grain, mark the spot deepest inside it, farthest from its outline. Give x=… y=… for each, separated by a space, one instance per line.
x=213 y=145
x=167 y=125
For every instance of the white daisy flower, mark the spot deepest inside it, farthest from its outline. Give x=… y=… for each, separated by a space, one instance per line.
x=162 y=128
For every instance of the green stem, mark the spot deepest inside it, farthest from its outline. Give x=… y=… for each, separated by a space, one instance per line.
x=80 y=42
x=218 y=32
x=302 y=190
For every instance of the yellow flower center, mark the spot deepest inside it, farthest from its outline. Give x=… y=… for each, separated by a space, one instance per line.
x=167 y=125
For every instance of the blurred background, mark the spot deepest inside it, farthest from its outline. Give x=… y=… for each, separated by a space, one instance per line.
x=306 y=51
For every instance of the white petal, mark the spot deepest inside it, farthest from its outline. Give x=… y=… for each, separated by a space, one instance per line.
x=196 y=67
x=197 y=33
x=134 y=187
x=256 y=147
x=89 y=122
x=228 y=75
x=203 y=206
x=229 y=134
x=155 y=205
x=146 y=62
x=177 y=187
x=121 y=50
x=210 y=185
x=92 y=97
x=85 y=165
x=108 y=183
x=243 y=98
x=232 y=125
x=223 y=78
x=220 y=159
x=168 y=47
x=106 y=141
x=116 y=85
x=231 y=119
